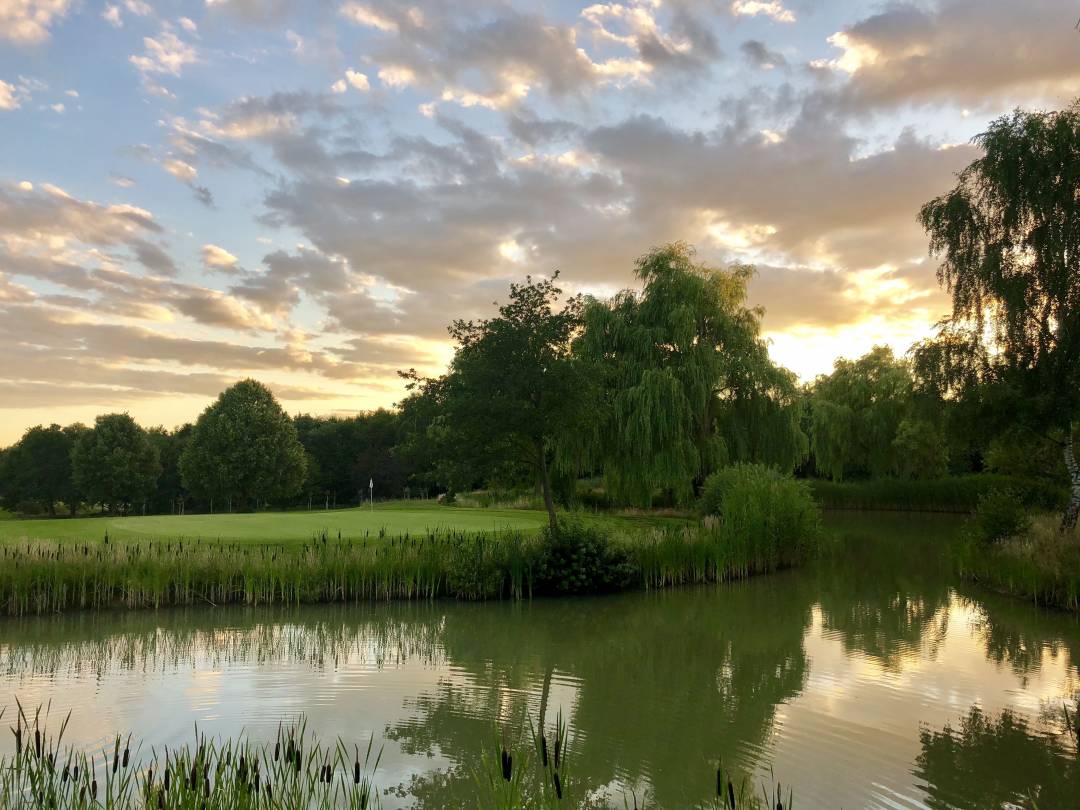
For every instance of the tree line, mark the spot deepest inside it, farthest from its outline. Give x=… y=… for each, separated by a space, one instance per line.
x=652 y=390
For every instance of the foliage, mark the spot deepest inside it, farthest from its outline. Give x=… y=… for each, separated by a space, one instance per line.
x=1008 y=234
x=579 y=557
x=865 y=425
x=678 y=360
x=344 y=454
x=243 y=450
x=762 y=509
x=957 y=493
x=114 y=463
x=1000 y=515
x=170 y=494
x=513 y=387
x=37 y=469
x=1040 y=563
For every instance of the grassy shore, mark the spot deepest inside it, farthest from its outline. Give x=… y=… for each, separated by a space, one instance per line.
x=41 y=576
x=1042 y=564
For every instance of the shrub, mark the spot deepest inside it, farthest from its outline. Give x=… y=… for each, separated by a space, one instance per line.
x=957 y=493
x=772 y=515
x=581 y=558
x=1000 y=515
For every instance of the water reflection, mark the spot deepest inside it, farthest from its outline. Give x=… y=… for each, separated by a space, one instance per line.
x=998 y=761
x=854 y=680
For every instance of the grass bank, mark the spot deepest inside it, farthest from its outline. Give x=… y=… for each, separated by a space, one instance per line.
x=957 y=494
x=1040 y=564
x=42 y=576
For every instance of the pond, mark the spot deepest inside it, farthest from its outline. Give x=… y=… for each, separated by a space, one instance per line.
x=870 y=679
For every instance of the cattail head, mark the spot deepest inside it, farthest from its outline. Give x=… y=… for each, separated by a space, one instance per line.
x=731 y=793
x=557 y=783
x=507 y=765
x=543 y=750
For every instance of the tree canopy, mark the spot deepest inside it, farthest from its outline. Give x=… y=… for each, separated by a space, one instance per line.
x=114 y=463
x=687 y=381
x=1008 y=235
x=514 y=388
x=244 y=449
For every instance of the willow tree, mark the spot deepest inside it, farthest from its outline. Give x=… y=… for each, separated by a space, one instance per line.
x=865 y=423
x=687 y=381
x=1008 y=235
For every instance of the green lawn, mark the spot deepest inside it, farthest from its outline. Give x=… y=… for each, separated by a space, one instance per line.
x=396 y=518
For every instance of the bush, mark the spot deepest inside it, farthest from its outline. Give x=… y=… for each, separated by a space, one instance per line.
x=581 y=558
x=772 y=515
x=1000 y=515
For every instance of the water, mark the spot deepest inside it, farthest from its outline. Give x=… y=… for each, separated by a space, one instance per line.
x=869 y=680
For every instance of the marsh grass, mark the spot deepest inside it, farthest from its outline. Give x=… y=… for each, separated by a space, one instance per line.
x=1042 y=564
x=39 y=577
x=296 y=771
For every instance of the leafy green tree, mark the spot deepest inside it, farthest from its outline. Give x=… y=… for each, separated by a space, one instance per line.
x=38 y=469
x=857 y=412
x=170 y=493
x=1008 y=235
x=514 y=390
x=687 y=382
x=243 y=450
x=114 y=463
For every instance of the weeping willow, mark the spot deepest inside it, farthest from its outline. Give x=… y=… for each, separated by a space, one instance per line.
x=686 y=378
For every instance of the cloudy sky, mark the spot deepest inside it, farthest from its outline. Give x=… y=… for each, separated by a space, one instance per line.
x=307 y=192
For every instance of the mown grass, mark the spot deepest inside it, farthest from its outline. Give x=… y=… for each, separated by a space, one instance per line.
x=1041 y=565
x=391 y=519
x=958 y=494
x=52 y=576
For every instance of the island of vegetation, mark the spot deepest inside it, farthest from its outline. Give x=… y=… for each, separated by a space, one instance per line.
x=581 y=445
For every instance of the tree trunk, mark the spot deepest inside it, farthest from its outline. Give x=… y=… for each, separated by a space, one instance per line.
x=545 y=484
x=1072 y=511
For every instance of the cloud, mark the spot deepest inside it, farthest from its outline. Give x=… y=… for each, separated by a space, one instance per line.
x=166 y=54
x=967 y=53
x=758 y=54
x=9 y=98
x=217 y=258
x=769 y=8
x=27 y=22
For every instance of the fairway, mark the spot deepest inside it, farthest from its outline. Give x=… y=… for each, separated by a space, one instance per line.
x=395 y=519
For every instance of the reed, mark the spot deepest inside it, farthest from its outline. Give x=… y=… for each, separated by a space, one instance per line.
x=1041 y=565
x=39 y=577
x=957 y=494
x=296 y=771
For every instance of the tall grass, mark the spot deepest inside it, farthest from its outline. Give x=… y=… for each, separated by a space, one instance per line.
x=295 y=771
x=1042 y=564
x=959 y=494
x=52 y=576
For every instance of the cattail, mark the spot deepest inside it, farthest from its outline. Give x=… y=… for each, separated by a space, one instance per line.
x=37 y=741
x=731 y=793
x=277 y=750
x=166 y=779
x=558 y=749
x=127 y=757
x=507 y=765
x=356 y=772
x=543 y=750
x=558 y=784
x=719 y=783
x=161 y=800
x=93 y=789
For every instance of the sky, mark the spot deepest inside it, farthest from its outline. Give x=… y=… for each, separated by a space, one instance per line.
x=308 y=192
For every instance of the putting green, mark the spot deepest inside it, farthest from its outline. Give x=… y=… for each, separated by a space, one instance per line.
x=394 y=518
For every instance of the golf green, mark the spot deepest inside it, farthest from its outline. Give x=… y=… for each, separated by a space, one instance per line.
x=394 y=519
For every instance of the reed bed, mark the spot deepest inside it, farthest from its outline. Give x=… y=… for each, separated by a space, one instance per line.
x=296 y=771
x=38 y=577
x=1041 y=565
x=956 y=494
